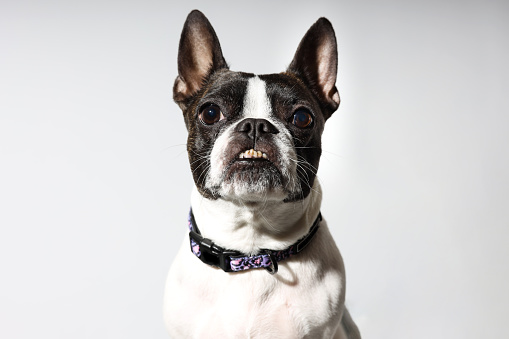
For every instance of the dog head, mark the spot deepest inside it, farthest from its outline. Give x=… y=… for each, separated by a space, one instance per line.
x=255 y=137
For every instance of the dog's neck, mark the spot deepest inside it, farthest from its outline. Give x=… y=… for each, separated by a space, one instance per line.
x=249 y=227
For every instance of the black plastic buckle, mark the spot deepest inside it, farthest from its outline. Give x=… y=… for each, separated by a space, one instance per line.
x=212 y=254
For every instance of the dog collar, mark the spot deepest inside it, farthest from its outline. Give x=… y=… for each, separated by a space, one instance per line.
x=233 y=261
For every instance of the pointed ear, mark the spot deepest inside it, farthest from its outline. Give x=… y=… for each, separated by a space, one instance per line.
x=316 y=62
x=199 y=55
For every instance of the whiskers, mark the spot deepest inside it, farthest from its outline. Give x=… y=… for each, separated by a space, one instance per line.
x=166 y=149
x=304 y=171
x=277 y=231
x=201 y=164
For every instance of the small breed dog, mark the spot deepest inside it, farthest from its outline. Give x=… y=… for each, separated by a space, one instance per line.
x=259 y=261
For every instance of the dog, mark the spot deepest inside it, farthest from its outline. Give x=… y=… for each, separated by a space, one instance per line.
x=259 y=261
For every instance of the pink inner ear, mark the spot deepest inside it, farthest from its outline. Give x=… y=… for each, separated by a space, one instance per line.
x=199 y=63
x=202 y=53
x=326 y=68
x=199 y=54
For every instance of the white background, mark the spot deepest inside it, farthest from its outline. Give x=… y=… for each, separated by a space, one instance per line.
x=95 y=184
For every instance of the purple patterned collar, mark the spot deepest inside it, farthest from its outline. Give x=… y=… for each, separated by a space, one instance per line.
x=234 y=261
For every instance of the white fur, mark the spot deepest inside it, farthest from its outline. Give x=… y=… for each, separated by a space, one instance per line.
x=256 y=102
x=303 y=300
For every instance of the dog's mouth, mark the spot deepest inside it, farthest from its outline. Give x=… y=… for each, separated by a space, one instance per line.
x=253 y=154
x=253 y=171
x=252 y=159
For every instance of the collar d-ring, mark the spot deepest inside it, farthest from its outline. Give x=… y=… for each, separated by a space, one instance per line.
x=272 y=269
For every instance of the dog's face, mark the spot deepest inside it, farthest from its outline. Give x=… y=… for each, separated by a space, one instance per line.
x=255 y=137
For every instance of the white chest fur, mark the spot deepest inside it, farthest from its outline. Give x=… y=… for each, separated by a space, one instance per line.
x=303 y=300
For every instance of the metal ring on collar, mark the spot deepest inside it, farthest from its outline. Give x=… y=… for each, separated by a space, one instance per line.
x=273 y=268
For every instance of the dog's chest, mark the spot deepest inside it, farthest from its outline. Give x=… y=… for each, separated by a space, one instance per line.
x=209 y=303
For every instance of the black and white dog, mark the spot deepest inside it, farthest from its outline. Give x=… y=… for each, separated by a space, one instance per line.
x=260 y=261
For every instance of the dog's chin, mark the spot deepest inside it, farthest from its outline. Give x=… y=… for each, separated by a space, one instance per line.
x=253 y=181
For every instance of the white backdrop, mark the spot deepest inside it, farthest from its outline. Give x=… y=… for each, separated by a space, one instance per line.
x=94 y=179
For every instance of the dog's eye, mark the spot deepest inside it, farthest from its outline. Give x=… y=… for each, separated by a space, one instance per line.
x=302 y=118
x=211 y=114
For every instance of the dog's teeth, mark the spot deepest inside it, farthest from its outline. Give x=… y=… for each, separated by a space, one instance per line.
x=252 y=154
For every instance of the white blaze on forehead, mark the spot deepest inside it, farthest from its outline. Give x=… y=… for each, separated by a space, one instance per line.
x=256 y=101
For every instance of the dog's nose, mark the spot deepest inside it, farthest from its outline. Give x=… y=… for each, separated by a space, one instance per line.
x=255 y=128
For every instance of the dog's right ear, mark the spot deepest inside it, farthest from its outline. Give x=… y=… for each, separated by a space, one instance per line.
x=198 y=57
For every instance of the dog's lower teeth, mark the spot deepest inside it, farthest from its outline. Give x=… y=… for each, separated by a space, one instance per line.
x=252 y=154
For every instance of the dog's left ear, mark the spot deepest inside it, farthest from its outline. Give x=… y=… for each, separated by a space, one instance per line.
x=316 y=62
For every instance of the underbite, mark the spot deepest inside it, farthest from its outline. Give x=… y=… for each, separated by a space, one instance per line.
x=252 y=154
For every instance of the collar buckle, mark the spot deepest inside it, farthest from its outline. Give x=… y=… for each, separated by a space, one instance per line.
x=210 y=253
